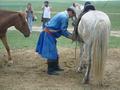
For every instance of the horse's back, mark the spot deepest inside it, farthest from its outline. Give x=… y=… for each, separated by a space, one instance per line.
x=95 y=16
x=88 y=23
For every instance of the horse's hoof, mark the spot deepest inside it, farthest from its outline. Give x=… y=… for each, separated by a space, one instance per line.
x=85 y=81
x=9 y=58
x=100 y=84
x=10 y=62
x=79 y=70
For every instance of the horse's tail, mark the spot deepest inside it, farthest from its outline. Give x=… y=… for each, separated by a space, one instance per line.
x=99 y=49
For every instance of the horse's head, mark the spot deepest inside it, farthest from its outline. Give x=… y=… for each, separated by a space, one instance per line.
x=79 y=8
x=21 y=24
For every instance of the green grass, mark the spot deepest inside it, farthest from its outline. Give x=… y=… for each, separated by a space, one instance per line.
x=115 y=21
x=17 y=41
x=114 y=42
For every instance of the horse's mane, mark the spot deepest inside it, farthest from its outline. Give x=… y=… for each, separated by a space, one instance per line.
x=7 y=11
x=4 y=13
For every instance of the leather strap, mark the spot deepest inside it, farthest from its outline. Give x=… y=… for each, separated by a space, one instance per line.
x=48 y=31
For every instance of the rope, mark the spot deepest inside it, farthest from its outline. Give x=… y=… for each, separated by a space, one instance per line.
x=76 y=51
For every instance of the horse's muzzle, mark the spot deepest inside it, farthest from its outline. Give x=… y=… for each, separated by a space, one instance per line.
x=27 y=35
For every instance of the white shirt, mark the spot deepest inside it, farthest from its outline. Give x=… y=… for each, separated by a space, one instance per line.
x=47 y=12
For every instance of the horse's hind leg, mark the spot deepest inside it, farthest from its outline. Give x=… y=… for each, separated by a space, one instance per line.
x=87 y=74
x=80 y=67
x=4 y=41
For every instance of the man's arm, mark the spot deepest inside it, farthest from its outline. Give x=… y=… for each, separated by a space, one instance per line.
x=64 y=31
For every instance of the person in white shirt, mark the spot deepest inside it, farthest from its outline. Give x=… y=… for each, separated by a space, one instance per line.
x=46 y=15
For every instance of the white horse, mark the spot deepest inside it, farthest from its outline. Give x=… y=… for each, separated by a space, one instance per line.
x=94 y=28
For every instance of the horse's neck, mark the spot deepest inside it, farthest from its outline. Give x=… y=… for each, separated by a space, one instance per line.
x=9 y=21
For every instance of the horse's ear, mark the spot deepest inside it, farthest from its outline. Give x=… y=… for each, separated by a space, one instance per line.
x=21 y=14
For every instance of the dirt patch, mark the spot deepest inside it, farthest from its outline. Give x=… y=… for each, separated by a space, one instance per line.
x=29 y=72
x=115 y=33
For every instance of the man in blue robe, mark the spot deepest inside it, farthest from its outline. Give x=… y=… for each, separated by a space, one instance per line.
x=46 y=45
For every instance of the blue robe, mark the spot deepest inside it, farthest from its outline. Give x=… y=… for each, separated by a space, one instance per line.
x=46 y=45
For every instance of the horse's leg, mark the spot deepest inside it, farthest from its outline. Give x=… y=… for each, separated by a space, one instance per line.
x=4 y=41
x=81 y=58
x=87 y=74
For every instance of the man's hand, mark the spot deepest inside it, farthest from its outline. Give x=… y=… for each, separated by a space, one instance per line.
x=72 y=37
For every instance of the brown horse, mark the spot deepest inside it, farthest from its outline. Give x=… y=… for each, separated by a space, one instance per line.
x=8 y=19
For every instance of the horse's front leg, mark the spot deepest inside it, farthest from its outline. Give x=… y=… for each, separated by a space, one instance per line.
x=87 y=74
x=4 y=41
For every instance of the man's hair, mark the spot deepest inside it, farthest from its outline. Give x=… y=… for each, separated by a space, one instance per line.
x=89 y=7
x=87 y=3
x=73 y=4
x=71 y=9
x=46 y=2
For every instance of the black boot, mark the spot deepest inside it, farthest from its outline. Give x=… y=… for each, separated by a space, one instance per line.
x=51 y=70
x=57 y=67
